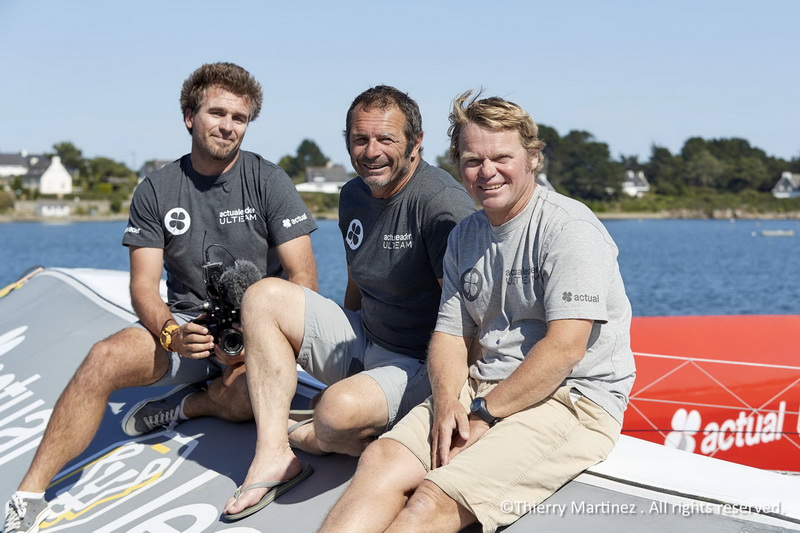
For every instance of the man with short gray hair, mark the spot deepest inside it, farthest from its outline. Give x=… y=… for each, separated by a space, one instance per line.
x=395 y=219
x=533 y=280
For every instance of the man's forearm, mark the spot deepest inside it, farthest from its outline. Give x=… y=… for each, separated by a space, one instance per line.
x=151 y=310
x=305 y=278
x=447 y=364
x=542 y=371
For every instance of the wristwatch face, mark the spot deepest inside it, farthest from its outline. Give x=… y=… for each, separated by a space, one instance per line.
x=476 y=405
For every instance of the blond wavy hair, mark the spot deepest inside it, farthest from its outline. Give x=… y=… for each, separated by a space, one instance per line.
x=495 y=114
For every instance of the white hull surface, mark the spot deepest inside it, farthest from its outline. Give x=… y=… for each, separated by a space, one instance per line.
x=179 y=480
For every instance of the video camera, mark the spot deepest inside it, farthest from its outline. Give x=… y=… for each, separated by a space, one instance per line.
x=224 y=291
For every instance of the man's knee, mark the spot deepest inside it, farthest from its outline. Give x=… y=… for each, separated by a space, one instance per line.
x=392 y=466
x=127 y=358
x=274 y=308
x=260 y=297
x=340 y=415
x=429 y=502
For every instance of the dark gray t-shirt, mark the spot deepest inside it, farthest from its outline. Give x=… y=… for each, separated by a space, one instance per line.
x=248 y=211
x=394 y=249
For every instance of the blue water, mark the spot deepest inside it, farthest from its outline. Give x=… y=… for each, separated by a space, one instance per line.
x=670 y=267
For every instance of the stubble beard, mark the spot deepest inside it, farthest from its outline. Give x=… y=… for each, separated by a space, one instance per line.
x=222 y=154
x=217 y=153
x=378 y=185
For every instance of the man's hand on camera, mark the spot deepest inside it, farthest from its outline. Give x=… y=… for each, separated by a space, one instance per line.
x=227 y=359
x=193 y=341
x=230 y=360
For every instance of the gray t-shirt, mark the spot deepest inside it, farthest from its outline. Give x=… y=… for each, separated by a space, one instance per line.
x=394 y=248
x=247 y=211
x=554 y=260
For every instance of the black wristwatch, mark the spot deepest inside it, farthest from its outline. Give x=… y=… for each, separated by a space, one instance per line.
x=479 y=408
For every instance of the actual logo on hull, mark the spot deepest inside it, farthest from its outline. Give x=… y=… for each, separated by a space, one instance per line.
x=747 y=429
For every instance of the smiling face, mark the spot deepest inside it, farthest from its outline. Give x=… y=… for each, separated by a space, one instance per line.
x=497 y=171
x=379 y=150
x=218 y=127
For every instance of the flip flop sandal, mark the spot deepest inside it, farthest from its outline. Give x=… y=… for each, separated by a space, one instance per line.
x=276 y=489
x=301 y=412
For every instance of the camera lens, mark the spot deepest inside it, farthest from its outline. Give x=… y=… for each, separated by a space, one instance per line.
x=231 y=342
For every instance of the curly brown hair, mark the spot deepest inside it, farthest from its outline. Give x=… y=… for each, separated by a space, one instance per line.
x=229 y=77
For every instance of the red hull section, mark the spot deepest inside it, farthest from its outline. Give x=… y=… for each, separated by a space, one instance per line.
x=723 y=386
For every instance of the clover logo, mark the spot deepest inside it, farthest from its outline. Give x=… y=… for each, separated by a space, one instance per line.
x=567 y=296
x=287 y=223
x=685 y=424
x=471 y=284
x=177 y=221
x=355 y=234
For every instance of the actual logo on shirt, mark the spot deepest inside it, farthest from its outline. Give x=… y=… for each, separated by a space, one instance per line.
x=569 y=297
x=177 y=221
x=289 y=222
x=471 y=284
x=355 y=234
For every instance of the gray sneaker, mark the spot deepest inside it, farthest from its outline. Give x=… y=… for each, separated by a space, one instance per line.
x=23 y=515
x=153 y=413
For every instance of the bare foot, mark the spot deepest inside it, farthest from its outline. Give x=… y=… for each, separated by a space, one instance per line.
x=304 y=438
x=283 y=466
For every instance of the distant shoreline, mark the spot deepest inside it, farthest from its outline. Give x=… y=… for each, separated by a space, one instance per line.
x=64 y=220
x=699 y=215
x=681 y=214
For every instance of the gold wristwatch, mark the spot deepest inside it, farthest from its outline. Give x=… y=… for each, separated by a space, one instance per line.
x=166 y=334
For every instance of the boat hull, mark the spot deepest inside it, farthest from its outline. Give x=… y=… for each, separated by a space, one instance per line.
x=178 y=480
x=721 y=386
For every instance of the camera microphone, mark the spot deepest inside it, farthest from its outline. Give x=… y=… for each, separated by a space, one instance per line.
x=235 y=281
x=225 y=289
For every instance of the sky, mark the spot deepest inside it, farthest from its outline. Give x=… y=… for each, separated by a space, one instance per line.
x=106 y=75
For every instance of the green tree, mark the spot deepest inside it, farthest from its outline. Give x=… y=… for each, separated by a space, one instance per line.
x=289 y=165
x=703 y=169
x=794 y=166
x=631 y=162
x=747 y=173
x=72 y=158
x=665 y=172
x=733 y=149
x=102 y=168
x=692 y=147
x=585 y=168
x=551 y=140
x=443 y=162
x=308 y=155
